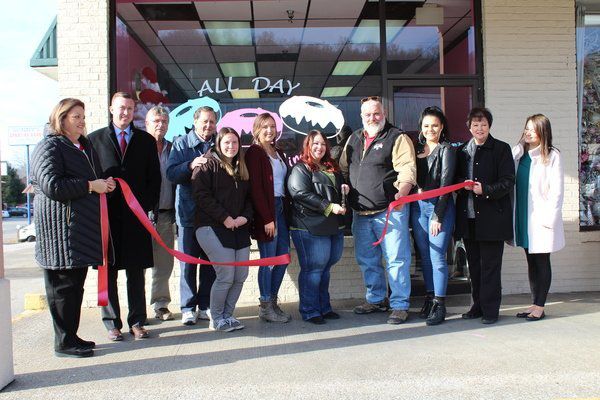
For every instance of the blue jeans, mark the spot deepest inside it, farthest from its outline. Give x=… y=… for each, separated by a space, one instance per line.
x=270 y=278
x=316 y=255
x=194 y=286
x=432 y=248
x=395 y=247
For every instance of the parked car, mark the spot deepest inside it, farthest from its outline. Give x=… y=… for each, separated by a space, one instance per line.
x=26 y=233
x=17 y=211
x=5 y=214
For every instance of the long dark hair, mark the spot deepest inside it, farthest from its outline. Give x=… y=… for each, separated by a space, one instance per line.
x=306 y=156
x=434 y=112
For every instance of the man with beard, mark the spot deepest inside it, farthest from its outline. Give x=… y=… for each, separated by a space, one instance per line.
x=163 y=216
x=187 y=154
x=379 y=163
x=128 y=153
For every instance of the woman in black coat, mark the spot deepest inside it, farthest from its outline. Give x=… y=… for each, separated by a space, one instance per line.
x=66 y=178
x=484 y=212
x=315 y=185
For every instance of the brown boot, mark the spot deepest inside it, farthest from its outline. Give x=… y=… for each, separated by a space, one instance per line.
x=268 y=314
x=278 y=310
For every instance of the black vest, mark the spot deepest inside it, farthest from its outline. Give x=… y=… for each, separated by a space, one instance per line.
x=372 y=173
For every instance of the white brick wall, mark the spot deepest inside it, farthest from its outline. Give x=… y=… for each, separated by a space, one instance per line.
x=529 y=64
x=83 y=62
x=530 y=67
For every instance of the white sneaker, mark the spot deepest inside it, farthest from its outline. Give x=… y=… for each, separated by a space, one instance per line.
x=222 y=325
x=235 y=323
x=204 y=314
x=189 y=318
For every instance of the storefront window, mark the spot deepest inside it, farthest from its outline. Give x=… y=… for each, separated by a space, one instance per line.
x=308 y=62
x=430 y=39
x=588 y=33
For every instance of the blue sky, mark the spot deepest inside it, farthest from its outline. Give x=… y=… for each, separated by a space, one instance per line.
x=28 y=95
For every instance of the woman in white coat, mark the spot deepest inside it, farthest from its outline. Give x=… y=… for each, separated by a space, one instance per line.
x=538 y=207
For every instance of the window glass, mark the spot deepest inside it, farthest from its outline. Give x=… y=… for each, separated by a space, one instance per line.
x=430 y=39
x=307 y=62
x=589 y=113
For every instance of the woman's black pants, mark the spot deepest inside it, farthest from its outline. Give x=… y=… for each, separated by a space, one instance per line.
x=485 y=269
x=540 y=276
x=64 y=291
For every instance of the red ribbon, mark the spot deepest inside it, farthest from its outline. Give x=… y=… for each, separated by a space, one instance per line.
x=139 y=212
x=420 y=196
x=103 y=269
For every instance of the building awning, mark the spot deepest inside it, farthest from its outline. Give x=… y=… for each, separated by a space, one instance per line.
x=45 y=59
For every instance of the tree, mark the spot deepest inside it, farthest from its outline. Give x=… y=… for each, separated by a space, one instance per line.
x=12 y=187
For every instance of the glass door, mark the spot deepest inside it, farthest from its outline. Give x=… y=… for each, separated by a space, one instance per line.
x=408 y=98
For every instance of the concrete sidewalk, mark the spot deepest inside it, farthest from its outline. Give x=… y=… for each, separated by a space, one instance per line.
x=356 y=357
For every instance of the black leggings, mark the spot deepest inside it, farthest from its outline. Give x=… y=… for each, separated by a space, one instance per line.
x=540 y=276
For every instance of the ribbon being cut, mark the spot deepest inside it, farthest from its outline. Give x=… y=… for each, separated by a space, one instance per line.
x=137 y=209
x=139 y=212
x=420 y=196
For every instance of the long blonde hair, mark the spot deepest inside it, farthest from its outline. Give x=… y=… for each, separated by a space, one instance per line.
x=543 y=129
x=256 y=126
x=59 y=114
x=236 y=168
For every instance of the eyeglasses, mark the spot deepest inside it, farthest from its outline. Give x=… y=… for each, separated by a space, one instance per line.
x=373 y=98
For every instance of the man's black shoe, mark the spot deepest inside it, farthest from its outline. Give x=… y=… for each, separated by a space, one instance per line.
x=489 y=320
x=77 y=352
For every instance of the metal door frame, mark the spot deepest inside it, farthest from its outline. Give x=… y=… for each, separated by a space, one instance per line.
x=472 y=82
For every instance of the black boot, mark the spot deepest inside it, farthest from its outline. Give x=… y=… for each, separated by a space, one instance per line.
x=426 y=309
x=438 y=312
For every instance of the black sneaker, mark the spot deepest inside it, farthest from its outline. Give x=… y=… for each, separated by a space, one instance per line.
x=331 y=315
x=426 y=309
x=318 y=320
x=437 y=314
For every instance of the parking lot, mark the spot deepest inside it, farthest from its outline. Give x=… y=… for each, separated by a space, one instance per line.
x=9 y=228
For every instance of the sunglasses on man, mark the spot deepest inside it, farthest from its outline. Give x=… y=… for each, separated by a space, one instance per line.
x=373 y=98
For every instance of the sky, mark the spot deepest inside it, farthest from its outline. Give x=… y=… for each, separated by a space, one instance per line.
x=28 y=95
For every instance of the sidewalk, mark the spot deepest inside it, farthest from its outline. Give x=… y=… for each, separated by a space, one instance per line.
x=356 y=357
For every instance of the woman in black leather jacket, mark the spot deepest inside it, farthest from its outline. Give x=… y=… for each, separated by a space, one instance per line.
x=315 y=185
x=432 y=220
x=67 y=180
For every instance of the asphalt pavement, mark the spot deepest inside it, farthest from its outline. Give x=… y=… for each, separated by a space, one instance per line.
x=356 y=357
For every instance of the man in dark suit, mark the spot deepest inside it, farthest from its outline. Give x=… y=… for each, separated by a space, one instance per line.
x=128 y=153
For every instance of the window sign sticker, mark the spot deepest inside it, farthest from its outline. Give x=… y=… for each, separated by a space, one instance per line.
x=302 y=114
x=181 y=119
x=242 y=121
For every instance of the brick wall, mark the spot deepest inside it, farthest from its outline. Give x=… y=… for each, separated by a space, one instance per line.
x=530 y=67
x=83 y=62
